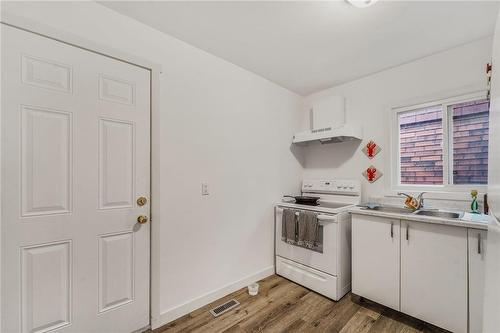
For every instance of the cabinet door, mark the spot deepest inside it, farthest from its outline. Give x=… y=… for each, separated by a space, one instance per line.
x=375 y=259
x=434 y=274
x=477 y=257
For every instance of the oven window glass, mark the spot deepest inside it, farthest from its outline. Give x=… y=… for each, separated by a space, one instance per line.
x=318 y=244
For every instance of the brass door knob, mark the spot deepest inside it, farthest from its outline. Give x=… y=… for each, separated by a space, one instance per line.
x=141 y=201
x=142 y=219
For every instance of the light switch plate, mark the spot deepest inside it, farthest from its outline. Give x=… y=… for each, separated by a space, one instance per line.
x=204 y=189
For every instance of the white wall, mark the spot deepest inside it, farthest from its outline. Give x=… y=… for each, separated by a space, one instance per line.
x=226 y=126
x=370 y=99
x=219 y=124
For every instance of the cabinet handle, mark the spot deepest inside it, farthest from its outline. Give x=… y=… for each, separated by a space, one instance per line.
x=407 y=232
x=479 y=243
x=392 y=230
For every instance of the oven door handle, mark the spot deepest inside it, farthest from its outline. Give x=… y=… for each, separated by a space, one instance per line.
x=326 y=218
x=323 y=218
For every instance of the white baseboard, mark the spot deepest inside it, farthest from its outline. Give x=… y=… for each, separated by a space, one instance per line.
x=183 y=309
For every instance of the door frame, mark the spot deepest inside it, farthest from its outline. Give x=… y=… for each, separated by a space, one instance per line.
x=155 y=70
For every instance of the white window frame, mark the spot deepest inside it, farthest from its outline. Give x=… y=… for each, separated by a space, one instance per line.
x=446 y=190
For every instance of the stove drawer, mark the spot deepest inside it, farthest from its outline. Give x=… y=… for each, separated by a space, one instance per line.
x=313 y=279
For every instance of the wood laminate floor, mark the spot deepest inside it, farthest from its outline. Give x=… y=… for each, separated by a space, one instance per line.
x=283 y=306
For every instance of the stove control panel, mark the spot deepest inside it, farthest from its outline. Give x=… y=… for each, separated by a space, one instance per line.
x=337 y=186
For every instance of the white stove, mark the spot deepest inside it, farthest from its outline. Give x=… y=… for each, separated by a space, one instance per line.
x=335 y=195
x=326 y=268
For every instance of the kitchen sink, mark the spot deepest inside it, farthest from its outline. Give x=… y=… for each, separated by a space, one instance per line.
x=389 y=209
x=423 y=212
x=436 y=213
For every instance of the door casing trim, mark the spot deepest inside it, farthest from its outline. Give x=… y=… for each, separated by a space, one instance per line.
x=155 y=69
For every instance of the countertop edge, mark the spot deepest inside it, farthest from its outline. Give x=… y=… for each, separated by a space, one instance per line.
x=419 y=218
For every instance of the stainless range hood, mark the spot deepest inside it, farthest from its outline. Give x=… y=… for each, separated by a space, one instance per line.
x=327 y=119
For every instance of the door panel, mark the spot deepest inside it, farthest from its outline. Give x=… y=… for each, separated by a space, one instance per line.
x=75 y=130
x=116 y=90
x=116 y=270
x=375 y=259
x=46 y=162
x=46 y=74
x=46 y=286
x=116 y=164
x=434 y=274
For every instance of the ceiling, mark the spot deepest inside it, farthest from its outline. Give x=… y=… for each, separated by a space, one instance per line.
x=309 y=46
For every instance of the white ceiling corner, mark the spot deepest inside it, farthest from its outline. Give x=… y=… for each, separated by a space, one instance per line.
x=309 y=46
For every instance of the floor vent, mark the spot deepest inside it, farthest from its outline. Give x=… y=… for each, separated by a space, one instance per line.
x=223 y=308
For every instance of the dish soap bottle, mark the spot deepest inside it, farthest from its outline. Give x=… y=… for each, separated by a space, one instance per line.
x=474 y=207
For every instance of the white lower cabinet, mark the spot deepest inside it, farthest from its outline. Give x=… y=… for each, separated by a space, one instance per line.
x=430 y=271
x=477 y=256
x=434 y=274
x=375 y=259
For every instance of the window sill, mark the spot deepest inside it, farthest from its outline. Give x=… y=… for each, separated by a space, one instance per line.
x=459 y=194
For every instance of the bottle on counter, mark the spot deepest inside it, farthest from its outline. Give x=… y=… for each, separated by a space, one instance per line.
x=474 y=207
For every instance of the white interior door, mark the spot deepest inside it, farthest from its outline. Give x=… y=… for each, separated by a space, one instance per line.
x=75 y=157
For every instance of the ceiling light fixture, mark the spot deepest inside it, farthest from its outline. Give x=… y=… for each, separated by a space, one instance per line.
x=361 y=3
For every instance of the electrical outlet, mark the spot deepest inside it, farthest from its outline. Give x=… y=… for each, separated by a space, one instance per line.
x=204 y=189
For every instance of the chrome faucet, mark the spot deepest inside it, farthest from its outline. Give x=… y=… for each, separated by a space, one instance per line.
x=420 y=199
x=413 y=203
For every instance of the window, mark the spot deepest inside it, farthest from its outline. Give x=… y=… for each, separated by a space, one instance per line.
x=421 y=146
x=470 y=142
x=443 y=143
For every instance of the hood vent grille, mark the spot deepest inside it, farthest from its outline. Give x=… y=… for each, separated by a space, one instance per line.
x=319 y=130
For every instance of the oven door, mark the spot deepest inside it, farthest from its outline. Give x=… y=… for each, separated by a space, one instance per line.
x=324 y=256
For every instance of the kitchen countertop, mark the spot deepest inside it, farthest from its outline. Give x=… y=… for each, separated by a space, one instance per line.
x=420 y=218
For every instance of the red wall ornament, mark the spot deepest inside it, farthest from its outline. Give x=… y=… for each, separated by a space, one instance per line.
x=372 y=174
x=371 y=149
